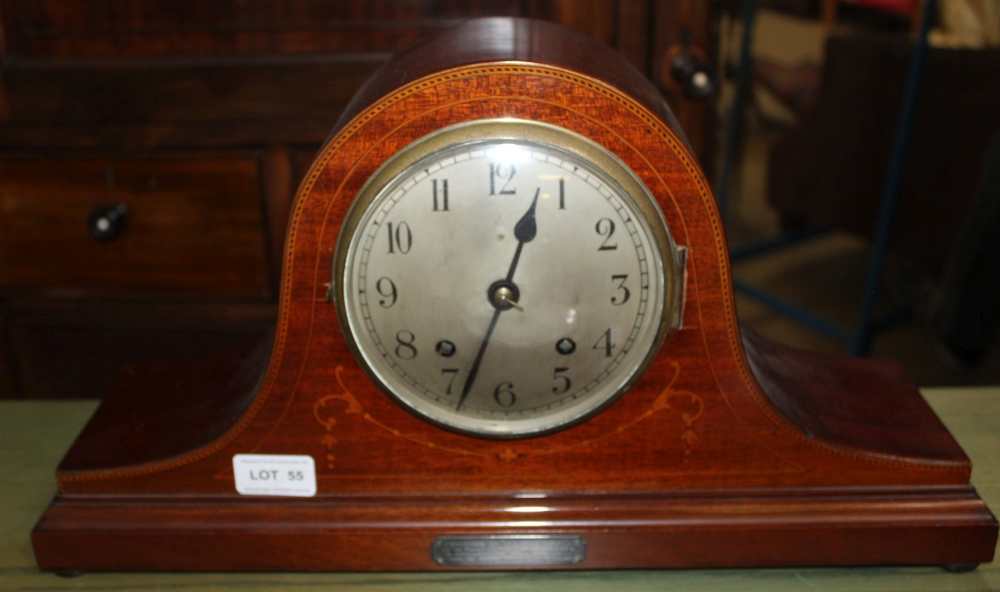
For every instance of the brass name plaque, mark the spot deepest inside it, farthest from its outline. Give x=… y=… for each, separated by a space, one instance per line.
x=509 y=550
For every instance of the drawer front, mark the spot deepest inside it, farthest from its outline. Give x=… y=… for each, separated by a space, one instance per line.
x=190 y=225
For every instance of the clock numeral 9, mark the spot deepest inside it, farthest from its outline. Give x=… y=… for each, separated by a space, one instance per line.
x=501 y=176
x=606 y=227
x=387 y=289
x=405 y=349
x=605 y=342
x=400 y=237
x=623 y=292
x=504 y=395
x=563 y=383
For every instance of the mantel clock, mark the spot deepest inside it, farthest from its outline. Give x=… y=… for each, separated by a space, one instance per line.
x=507 y=340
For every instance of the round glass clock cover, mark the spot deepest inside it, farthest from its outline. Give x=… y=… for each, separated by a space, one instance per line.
x=506 y=278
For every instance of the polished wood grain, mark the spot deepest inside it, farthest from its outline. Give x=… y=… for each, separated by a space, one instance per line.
x=37 y=433
x=499 y=40
x=190 y=227
x=280 y=178
x=110 y=80
x=232 y=371
x=78 y=29
x=836 y=401
x=149 y=75
x=62 y=345
x=727 y=451
x=132 y=105
x=837 y=528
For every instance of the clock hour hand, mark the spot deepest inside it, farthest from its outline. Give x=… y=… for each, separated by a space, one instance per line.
x=502 y=294
x=524 y=231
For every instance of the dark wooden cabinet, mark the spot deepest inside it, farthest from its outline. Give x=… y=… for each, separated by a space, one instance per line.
x=191 y=224
x=200 y=118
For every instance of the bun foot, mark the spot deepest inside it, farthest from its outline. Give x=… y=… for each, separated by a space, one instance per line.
x=960 y=567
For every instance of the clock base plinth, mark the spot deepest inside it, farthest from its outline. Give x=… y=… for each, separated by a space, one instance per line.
x=945 y=527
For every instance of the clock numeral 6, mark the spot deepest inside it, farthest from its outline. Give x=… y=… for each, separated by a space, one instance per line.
x=606 y=227
x=405 y=349
x=400 y=237
x=563 y=383
x=504 y=394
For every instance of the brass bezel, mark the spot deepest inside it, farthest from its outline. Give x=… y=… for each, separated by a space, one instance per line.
x=610 y=166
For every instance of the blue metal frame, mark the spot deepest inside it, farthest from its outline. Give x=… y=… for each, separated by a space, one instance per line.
x=734 y=124
x=862 y=342
x=859 y=341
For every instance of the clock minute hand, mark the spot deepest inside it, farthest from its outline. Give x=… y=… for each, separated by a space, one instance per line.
x=474 y=369
x=524 y=231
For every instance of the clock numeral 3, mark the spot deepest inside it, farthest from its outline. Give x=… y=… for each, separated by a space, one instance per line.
x=606 y=227
x=623 y=292
x=404 y=345
x=400 y=237
x=504 y=394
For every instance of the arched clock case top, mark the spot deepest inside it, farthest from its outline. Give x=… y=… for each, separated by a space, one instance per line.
x=723 y=450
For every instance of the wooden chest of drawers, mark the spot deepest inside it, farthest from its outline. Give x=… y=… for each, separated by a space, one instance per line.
x=188 y=225
x=184 y=269
x=193 y=122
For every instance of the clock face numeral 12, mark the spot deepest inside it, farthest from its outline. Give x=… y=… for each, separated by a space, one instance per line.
x=503 y=286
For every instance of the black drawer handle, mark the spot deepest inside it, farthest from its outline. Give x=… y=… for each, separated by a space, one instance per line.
x=689 y=68
x=106 y=223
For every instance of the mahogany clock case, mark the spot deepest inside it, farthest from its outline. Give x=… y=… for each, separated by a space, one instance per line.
x=728 y=450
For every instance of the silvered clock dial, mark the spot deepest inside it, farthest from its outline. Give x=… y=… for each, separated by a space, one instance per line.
x=506 y=278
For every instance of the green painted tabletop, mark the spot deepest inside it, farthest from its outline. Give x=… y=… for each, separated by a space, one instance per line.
x=34 y=435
